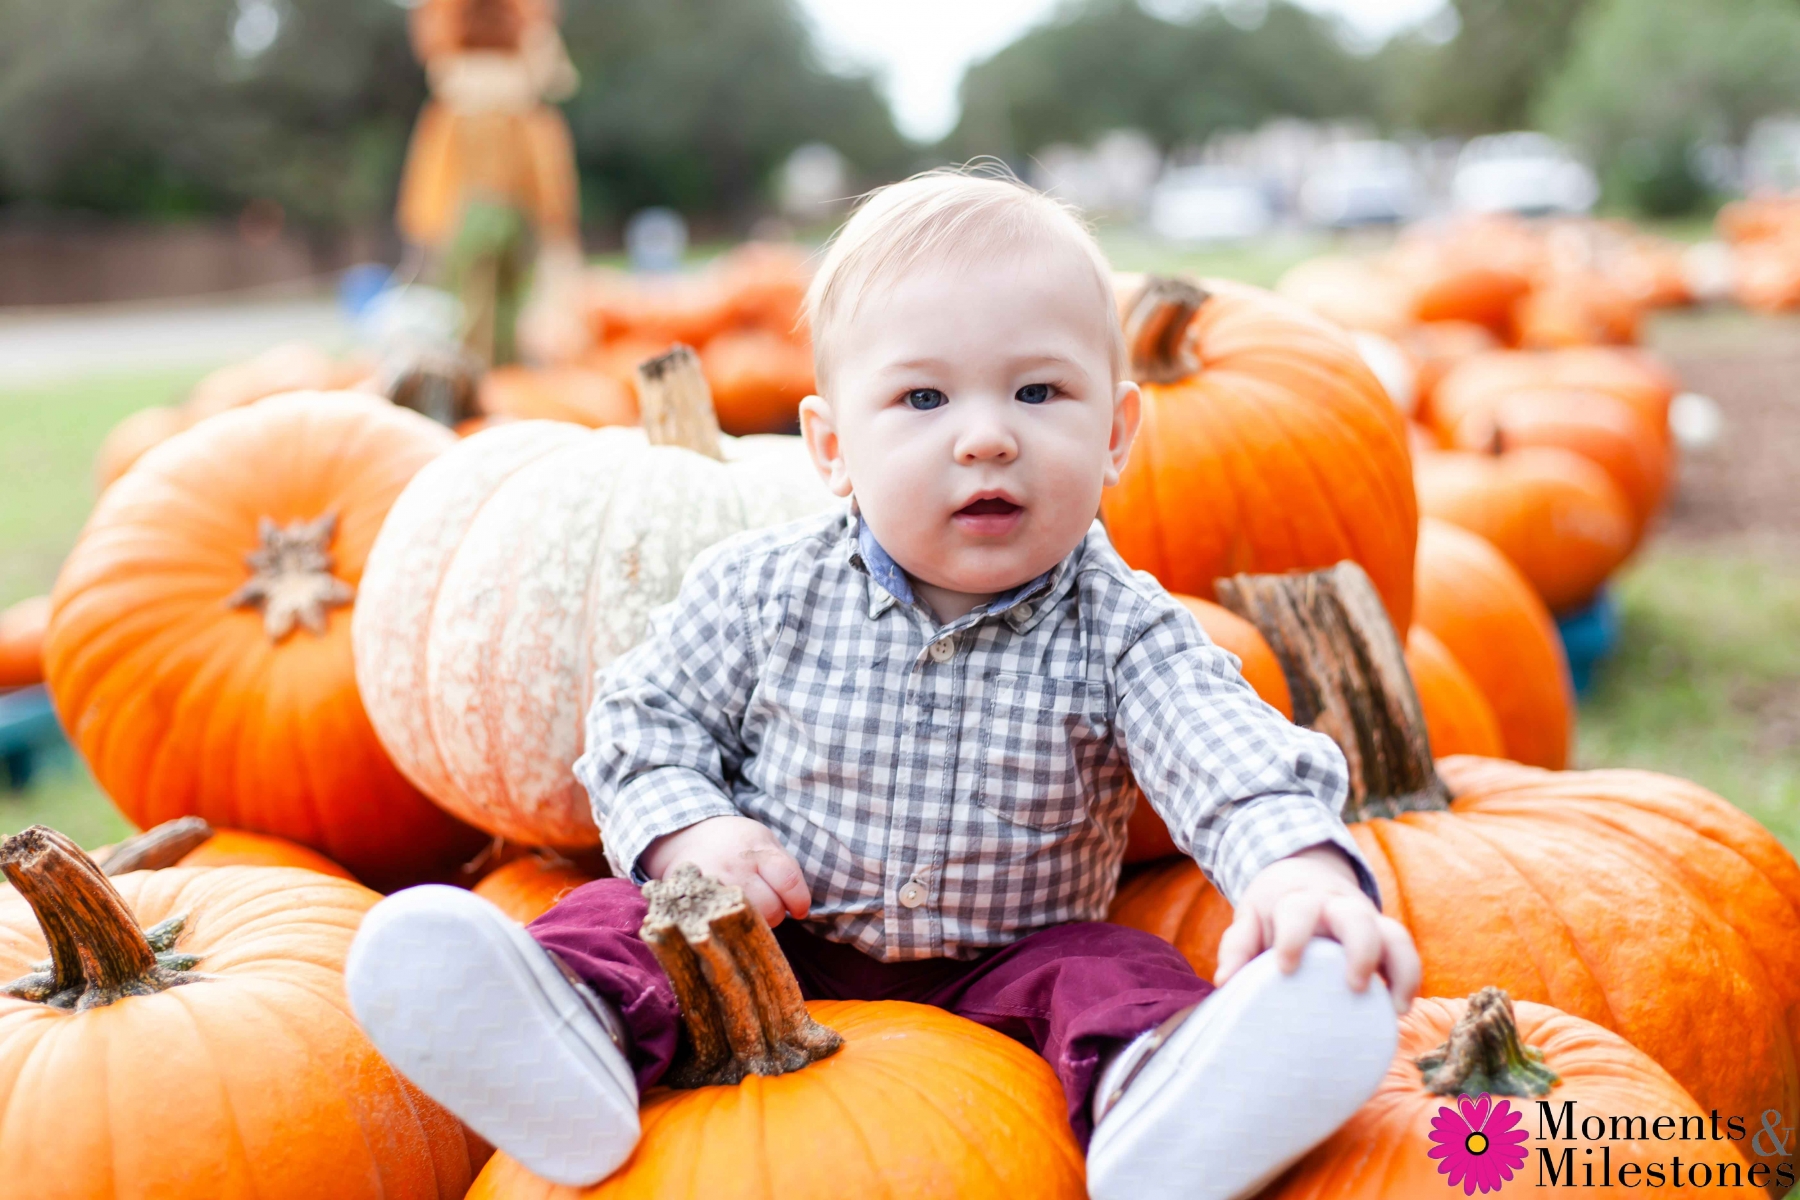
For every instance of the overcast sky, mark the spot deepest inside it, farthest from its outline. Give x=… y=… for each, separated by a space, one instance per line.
x=920 y=47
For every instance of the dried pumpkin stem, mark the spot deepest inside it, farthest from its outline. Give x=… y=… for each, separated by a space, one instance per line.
x=157 y=847
x=98 y=953
x=442 y=382
x=290 y=576
x=1156 y=330
x=1484 y=1054
x=1348 y=677
x=740 y=1002
x=676 y=404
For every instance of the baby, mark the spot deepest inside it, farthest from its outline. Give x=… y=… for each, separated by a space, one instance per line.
x=910 y=726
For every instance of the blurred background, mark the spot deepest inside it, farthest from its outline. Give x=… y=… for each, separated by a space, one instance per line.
x=187 y=183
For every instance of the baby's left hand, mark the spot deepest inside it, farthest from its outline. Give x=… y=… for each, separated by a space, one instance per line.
x=1314 y=894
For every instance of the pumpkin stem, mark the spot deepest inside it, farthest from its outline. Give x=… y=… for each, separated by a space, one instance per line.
x=676 y=403
x=1156 y=330
x=157 y=847
x=739 y=999
x=98 y=953
x=1484 y=1054
x=1348 y=677
x=290 y=576
x=438 y=381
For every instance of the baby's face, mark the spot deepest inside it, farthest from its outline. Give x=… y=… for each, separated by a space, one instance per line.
x=971 y=408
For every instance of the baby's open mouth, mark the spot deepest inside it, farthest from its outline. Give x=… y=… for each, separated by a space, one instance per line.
x=993 y=506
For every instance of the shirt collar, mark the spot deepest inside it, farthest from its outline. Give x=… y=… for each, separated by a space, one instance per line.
x=893 y=587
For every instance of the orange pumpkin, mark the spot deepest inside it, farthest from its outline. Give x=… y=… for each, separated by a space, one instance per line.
x=199 y=646
x=1474 y=271
x=238 y=848
x=1499 y=631
x=1559 y=518
x=1600 y=427
x=1266 y=445
x=878 y=1098
x=22 y=642
x=1640 y=902
x=766 y=283
x=1457 y=716
x=130 y=438
x=1436 y=348
x=1631 y=375
x=578 y=395
x=1350 y=292
x=658 y=309
x=1574 y=310
x=191 y=1037
x=1528 y=1052
x=758 y=379
x=289 y=367
x=1148 y=836
x=525 y=888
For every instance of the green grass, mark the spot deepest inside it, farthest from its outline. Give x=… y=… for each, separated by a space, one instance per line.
x=1261 y=262
x=1706 y=683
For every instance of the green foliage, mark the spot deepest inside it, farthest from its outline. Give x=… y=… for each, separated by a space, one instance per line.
x=1645 y=80
x=1486 y=78
x=1106 y=64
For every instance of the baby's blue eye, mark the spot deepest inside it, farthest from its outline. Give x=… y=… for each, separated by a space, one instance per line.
x=1033 y=393
x=926 y=399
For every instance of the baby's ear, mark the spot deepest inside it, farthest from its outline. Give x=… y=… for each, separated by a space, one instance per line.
x=1127 y=402
x=818 y=429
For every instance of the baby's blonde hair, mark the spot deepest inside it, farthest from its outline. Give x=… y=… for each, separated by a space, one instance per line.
x=956 y=210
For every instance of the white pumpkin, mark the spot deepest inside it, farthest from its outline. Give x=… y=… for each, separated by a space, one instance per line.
x=514 y=567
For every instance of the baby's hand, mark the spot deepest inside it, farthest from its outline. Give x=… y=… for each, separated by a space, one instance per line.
x=1314 y=894
x=737 y=851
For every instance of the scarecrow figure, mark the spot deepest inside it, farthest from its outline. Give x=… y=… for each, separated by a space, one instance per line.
x=491 y=167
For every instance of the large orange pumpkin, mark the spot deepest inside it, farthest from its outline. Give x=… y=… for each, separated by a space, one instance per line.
x=1436 y=348
x=1599 y=426
x=1559 y=518
x=1526 y=1053
x=772 y=1099
x=1575 y=310
x=22 y=642
x=1499 y=631
x=1640 y=902
x=238 y=848
x=1351 y=292
x=199 y=647
x=1481 y=379
x=1266 y=445
x=213 y=1055
x=127 y=441
x=1457 y=716
x=525 y=888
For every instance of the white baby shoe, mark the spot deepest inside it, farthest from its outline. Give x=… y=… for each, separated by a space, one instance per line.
x=1217 y=1103
x=463 y=1002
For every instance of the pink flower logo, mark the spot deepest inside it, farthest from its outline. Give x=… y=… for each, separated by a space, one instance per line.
x=1478 y=1143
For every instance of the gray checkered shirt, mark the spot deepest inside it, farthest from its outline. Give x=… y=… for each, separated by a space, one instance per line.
x=946 y=788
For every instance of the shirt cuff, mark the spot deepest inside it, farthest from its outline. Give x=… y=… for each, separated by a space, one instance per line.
x=652 y=805
x=1270 y=828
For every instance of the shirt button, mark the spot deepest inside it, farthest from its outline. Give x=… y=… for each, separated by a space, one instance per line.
x=1023 y=612
x=944 y=649
x=913 y=894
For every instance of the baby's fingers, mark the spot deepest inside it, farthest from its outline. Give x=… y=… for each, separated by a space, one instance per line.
x=1399 y=962
x=1241 y=942
x=1354 y=922
x=763 y=899
x=1296 y=921
x=778 y=869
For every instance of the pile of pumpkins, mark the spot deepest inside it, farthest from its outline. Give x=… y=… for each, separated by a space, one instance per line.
x=1763 y=267
x=324 y=620
x=1535 y=420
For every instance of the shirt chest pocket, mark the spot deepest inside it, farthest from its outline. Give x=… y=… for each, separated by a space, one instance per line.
x=1039 y=738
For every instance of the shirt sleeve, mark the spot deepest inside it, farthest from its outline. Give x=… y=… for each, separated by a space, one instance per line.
x=1238 y=784
x=663 y=732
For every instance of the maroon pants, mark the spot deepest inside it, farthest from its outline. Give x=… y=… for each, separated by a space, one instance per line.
x=1071 y=992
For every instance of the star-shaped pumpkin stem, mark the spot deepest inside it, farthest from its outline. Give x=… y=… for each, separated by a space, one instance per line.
x=291 y=579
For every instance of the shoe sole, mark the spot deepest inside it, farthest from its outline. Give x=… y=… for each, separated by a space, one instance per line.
x=460 y=1000
x=1266 y=1068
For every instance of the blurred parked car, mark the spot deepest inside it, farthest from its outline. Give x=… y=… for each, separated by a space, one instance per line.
x=1525 y=173
x=1209 y=204
x=1362 y=183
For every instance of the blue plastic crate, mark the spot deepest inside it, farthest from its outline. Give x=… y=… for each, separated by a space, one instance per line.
x=1589 y=636
x=28 y=732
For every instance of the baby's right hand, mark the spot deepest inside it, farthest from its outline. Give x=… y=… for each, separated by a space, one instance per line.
x=737 y=851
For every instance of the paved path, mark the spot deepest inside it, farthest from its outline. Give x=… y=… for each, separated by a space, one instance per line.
x=52 y=344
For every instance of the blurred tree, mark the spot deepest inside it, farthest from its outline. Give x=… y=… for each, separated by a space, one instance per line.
x=1107 y=64
x=185 y=106
x=1486 y=78
x=1647 y=81
x=180 y=107
x=694 y=103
